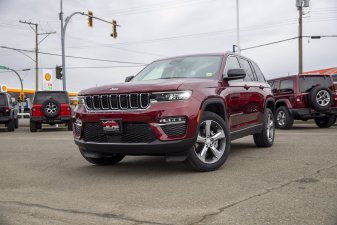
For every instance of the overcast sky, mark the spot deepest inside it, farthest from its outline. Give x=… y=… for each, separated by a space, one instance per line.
x=152 y=29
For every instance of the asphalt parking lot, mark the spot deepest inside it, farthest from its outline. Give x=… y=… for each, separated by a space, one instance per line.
x=45 y=180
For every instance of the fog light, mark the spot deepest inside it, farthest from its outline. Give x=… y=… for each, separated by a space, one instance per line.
x=172 y=120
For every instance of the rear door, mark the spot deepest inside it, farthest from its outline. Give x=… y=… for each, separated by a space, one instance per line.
x=253 y=110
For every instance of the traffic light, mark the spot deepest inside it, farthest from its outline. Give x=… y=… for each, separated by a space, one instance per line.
x=90 y=14
x=59 y=74
x=114 y=29
x=21 y=97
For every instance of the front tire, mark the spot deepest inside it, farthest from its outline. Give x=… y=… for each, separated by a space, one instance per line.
x=212 y=145
x=266 y=137
x=32 y=126
x=283 y=118
x=104 y=161
x=326 y=121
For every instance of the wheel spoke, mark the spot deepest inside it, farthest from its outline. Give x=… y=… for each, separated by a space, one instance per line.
x=203 y=153
x=219 y=135
x=208 y=128
x=215 y=152
x=201 y=140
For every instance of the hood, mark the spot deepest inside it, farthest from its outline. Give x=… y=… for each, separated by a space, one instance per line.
x=148 y=86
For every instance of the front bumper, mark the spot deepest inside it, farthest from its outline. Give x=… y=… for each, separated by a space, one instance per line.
x=161 y=144
x=57 y=120
x=311 y=113
x=153 y=148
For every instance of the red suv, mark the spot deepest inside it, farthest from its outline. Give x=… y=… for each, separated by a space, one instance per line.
x=187 y=108
x=303 y=97
x=50 y=107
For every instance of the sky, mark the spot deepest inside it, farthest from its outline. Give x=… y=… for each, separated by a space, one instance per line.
x=153 y=29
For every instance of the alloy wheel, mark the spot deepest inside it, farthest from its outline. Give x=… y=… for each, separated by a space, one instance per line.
x=281 y=118
x=270 y=127
x=323 y=98
x=51 y=108
x=211 y=142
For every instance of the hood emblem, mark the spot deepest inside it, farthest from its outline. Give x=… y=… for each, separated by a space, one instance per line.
x=113 y=89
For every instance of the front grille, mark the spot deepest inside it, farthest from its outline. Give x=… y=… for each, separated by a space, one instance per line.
x=174 y=129
x=118 y=101
x=132 y=133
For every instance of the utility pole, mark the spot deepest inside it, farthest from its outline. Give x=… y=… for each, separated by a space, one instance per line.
x=37 y=48
x=238 y=27
x=300 y=41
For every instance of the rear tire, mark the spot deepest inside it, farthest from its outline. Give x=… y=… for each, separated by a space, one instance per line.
x=32 y=126
x=104 y=161
x=212 y=146
x=16 y=123
x=326 y=121
x=11 y=125
x=283 y=119
x=266 y=137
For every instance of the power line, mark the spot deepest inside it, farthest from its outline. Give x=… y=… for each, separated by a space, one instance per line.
x=74 y=57
x=77 y=67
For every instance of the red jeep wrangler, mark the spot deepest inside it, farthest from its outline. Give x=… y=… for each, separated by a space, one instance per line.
x=303 y=97
x=50 y=107
x=187 y=108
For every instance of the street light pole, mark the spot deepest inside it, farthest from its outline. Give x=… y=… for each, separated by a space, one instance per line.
x=238 y=27
x=63 y=49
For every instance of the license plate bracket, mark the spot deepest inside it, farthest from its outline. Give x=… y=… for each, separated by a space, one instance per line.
x=112 y=126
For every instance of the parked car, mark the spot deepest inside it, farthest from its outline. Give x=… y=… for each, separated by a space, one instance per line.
x=50 y=107
x=186 y=108
x=8 y=112
x=304 y=97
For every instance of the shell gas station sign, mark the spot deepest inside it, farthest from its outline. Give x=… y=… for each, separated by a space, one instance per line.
x=47 y=80
x=3 y=88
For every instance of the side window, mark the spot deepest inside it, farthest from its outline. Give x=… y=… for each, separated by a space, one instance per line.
x=232 y=63
x=258 y=73
x=248 y=69
x=287 y=86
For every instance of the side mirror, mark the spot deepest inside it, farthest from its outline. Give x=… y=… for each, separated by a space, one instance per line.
x=235 y=74
x=129 y=78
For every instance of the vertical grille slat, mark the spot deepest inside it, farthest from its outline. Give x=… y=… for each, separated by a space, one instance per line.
x=105 y=102
x=123 y=101
x=114 y=101
x=117 y=101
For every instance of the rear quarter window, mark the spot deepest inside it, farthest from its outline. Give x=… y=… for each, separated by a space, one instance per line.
x=308 y=82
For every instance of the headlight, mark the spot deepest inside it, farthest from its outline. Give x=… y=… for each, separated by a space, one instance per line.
x=170 y=96
x=80 y=100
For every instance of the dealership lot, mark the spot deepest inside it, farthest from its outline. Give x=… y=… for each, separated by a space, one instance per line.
x=44 y=179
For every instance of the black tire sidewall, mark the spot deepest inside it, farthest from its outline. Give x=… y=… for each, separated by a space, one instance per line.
x=32 y=126
x=193 y=160
x=312 y=98
x=11 y=125
x=262 y=139
x=325 y=122
x=51 y=115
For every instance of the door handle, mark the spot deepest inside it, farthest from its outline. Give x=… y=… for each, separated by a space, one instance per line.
x=246 y=87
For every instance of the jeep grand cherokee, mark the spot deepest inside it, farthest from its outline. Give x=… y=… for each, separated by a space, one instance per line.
x=187 y=108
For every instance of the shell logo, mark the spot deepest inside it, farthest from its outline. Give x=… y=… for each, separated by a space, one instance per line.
x=47 y=76
x=3 y=88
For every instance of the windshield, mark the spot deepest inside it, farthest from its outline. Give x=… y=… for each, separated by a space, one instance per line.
x=61 y=97
x=3 y=99
x=184 y=67
x=308 y=82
